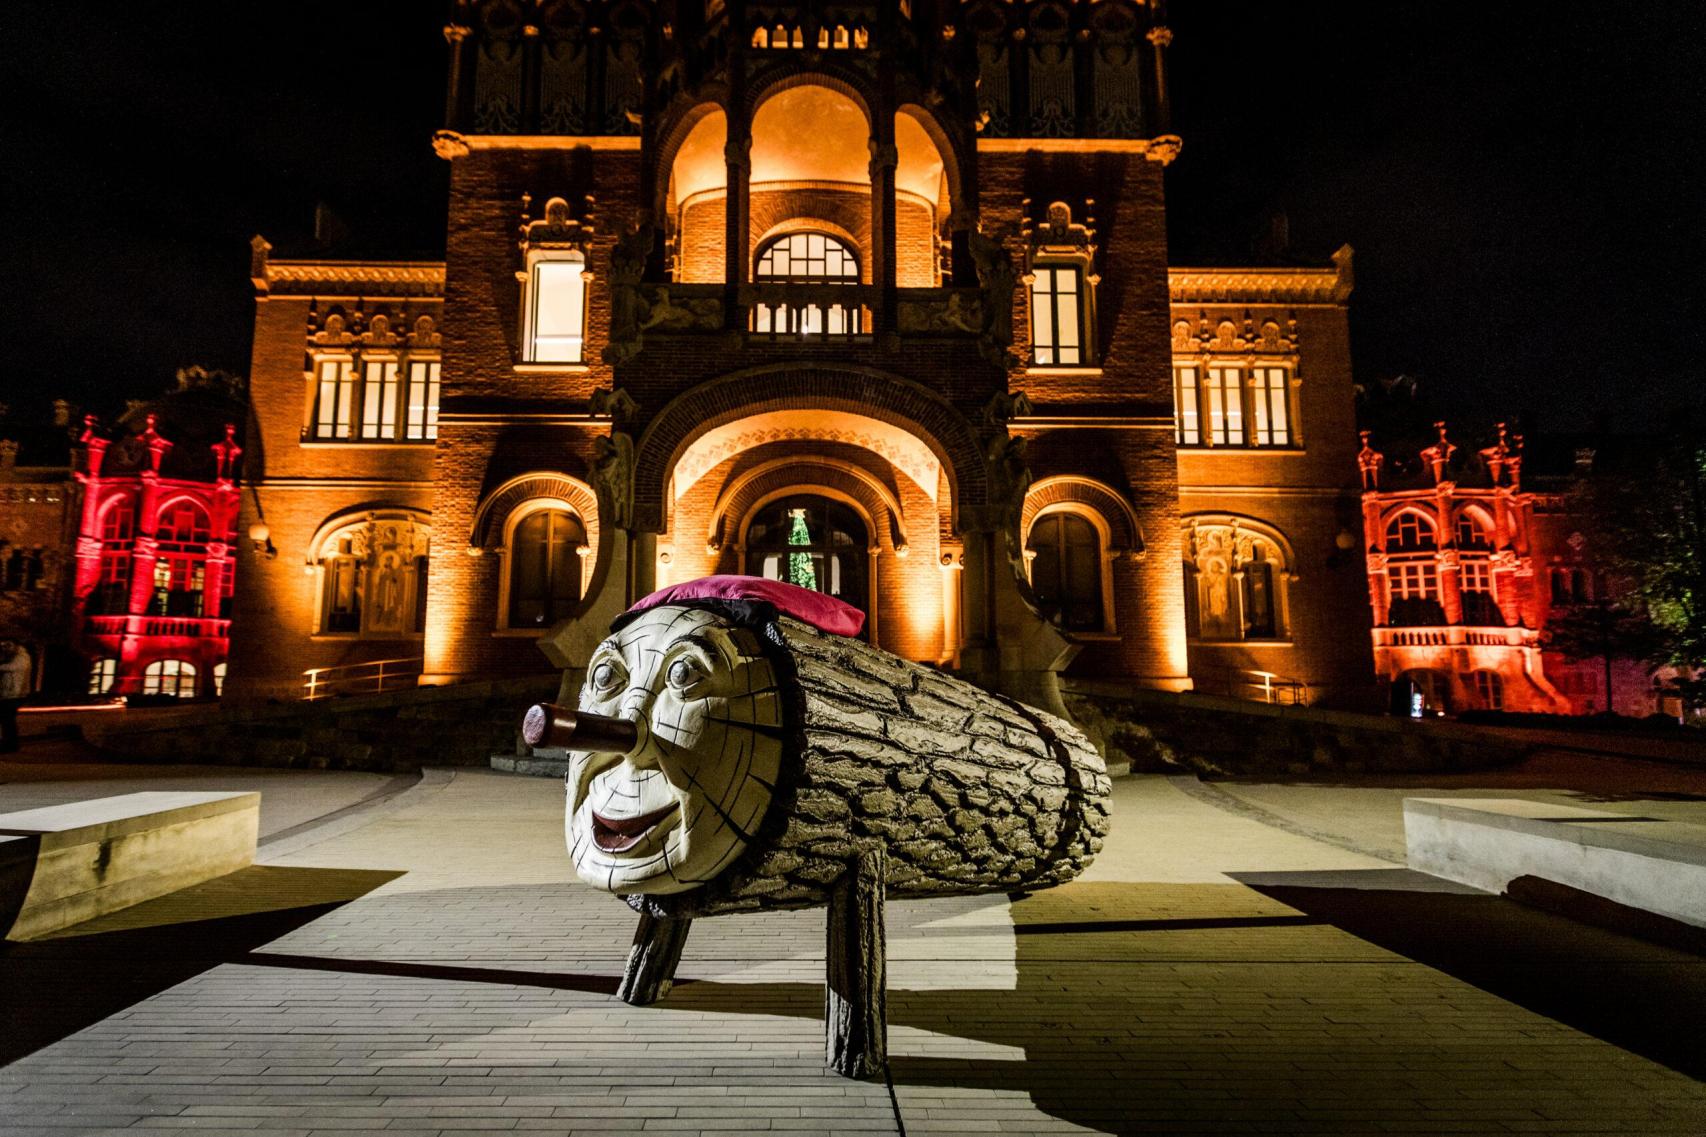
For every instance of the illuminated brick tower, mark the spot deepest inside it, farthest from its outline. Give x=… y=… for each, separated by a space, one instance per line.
x=874 y=289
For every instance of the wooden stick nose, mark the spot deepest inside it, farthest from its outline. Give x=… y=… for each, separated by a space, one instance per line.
x=547 y=724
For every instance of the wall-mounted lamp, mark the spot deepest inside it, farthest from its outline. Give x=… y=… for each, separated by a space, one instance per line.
x=1346 y=540
x=261 y=538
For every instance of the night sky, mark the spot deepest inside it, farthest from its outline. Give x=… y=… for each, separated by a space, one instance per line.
x=1523 y=182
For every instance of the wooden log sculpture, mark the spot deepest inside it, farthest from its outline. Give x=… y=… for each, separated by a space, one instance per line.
x=735 y=749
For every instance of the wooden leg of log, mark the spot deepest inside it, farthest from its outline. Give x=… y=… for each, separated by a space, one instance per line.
x=651 y=961
x=856 y=996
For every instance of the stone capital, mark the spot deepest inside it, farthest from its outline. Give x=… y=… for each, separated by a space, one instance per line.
x=448 y=144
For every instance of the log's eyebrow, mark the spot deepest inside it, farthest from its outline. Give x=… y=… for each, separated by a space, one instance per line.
x=698 y=641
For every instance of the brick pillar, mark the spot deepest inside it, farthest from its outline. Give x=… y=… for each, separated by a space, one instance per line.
x=1450 y=586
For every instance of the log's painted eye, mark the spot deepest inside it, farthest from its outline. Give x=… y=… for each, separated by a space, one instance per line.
x=607 y=678
x=684 y=675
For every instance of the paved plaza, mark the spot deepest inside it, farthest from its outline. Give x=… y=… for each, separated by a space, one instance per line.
x=1241 y=959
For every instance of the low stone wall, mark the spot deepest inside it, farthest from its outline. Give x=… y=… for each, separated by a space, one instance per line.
x=1165 y=732
x=460 y=725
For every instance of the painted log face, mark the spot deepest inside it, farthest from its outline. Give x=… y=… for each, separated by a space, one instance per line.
x=770 y=755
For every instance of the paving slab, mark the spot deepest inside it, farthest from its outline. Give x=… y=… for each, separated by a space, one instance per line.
x=467 y=987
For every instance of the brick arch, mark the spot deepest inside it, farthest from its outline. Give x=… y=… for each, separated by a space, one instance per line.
x=1124 y=532
x=788 y=71
x=745 y=493
x=781 y=387
x=678 y=123
x=495 y=509
x=945 y=146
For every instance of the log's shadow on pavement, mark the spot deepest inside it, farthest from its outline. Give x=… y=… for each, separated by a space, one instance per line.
x=1134 y=1012
x=1646 y=997
x=53 y=987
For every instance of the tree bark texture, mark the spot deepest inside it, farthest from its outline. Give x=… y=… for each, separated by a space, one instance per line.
x=964 y=791
x=855 y=1012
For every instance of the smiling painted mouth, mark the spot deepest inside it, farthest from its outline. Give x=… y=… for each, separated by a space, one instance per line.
x=619 y=834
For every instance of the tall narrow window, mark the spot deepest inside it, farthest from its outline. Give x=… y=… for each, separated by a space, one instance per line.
x=112 y=595
x=556 y=311
x=1057 y=309
x=343 y=589
x=1225 y=407
x=1475 y=587
x=1490 y=689
x=102 y=675
x=334 y=398
x=544 y=568
x=1271 y=407
x=1066 y=570
x=421 y=423
x=1185 y=410
x=379 y=399
x=1259 y=621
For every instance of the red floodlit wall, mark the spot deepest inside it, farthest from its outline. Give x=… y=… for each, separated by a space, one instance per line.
x=154 y=571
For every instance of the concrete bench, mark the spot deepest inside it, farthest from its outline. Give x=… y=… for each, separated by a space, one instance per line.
x=1656 y=866
x=63 y=864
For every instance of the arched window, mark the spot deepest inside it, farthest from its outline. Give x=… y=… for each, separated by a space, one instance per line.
x=814 y=542
x=118 y=523
x=545 y=551
x=102 y=673
x=373 y=576
x=218 y=680
x=1425 y=692
x=184 y=523
x=1410 y=532
x=1412 y=572
x=173 y=677
x=1472 y=532
x=807 y=258
x=1235 y=581
x=1065 y=555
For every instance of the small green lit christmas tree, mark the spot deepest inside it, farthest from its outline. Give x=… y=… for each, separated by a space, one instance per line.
x=800 y=569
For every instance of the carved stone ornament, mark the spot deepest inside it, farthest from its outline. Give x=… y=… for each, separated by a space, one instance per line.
x=672 y=308
x=627 y=267
x=613 y=477
x=734 y=758
x=1004 y=407
x=1057 y=232
x=1229 y=337
x=995 y=276
x=559 y=228
x=617 y=404
x=960 y=310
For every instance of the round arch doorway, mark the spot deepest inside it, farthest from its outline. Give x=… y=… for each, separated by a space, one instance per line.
x=815 y=542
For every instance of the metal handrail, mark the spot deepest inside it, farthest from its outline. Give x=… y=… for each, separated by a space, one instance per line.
x=1251 y=683
x=359 y=678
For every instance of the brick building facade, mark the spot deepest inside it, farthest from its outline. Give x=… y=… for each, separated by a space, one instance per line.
x=38 y=520
x=871 y=295
x=1471 y=554
x=154 y=572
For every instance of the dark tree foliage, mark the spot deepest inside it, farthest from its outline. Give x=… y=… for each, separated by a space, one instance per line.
x=1648 y=521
